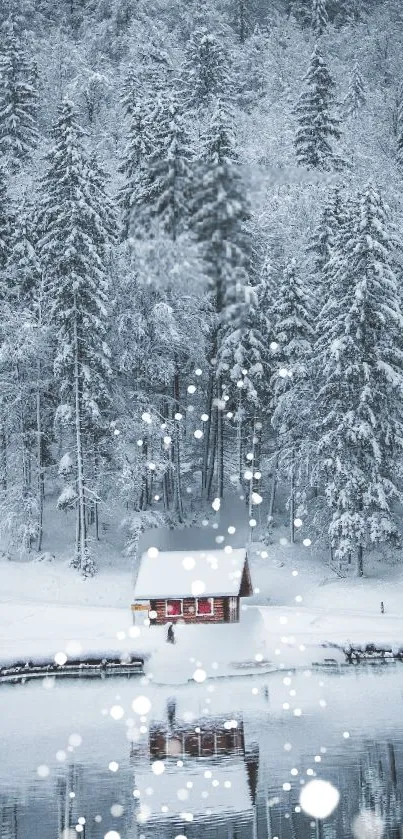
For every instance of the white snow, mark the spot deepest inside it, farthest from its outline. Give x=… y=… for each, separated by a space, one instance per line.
x=172 y=574
x=47 y=609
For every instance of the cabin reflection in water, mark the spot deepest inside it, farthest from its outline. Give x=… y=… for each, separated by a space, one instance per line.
x=208 y=784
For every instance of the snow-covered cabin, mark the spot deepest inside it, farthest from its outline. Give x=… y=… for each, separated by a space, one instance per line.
x=194 y=586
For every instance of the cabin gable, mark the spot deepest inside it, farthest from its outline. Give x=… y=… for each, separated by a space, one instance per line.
x=246 y=588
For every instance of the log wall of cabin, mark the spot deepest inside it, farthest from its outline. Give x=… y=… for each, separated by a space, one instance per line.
x=189 y=612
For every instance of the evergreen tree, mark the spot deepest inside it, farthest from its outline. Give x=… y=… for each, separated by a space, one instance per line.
x=328 y=229
x=167 y=185
x=359 y=369
x=18 y=99
x=138 y=112
x=251 y=70
x=319 y=17
x=350 y=11
x=355 y=98
x=244 y=363
x=317 y=127
x=24 y=272
x=75 y=223
x=220 y=212
x=206 y=74
x=6 y=230
x=398 y=125
x=244 y=17
x=301 y=10
x=291 y=383
x=165 y=199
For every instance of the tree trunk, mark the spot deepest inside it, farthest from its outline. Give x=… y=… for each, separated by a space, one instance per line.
x=144 y=495
x=213 y=452
x=257 y=454
x=220 y=444
x=96 y=502
x=178 y=501
x=292 y=503
x=81 y=544
x=25 y=454
x=207 y=433
x=241 y=10
x=360 y=561
x=166 y=478
x=3 y=452
x=239 y=441
x=273 y=488
x=39 y=454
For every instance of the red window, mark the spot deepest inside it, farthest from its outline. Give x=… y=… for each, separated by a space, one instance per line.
x=173 y=608
x=205 y=606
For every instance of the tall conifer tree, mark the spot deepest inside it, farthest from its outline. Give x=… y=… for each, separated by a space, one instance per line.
x=220 y=212
x=76 y=227
x=319 y=17
x=291 y=381
x=18 y=99
x=318 y=127
x=359 y=369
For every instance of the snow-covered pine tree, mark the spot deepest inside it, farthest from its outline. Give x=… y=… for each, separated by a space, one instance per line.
x=244 y=363
x=355 y=97
x=219 y=214
x=32 y=376
x=6 y=231
x=137 y=108
x=23 y=350
x=359 y=383
x=206 y=74
x=75 y=234
x=330 y=224
x=291 y=383
x=18 y=99
x=165 y=199
x=397 y=117
x=317 y=126
x=251 y=70
x=319 y=17
x=168 y=180
x=24 y=272
x=301 y=10
x=348 y=12
x=243 y=15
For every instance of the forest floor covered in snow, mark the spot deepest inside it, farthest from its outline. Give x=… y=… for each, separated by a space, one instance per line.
x=299 y=606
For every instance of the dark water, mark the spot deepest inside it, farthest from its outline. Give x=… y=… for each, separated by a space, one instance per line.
x=78 y=760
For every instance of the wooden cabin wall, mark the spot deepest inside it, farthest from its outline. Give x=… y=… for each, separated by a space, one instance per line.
x=189 y=612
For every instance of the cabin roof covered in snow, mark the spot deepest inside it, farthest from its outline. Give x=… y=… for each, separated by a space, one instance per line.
x=214 y=573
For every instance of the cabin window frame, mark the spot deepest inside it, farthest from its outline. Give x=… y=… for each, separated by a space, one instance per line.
x=205 y=614
x=174 y=600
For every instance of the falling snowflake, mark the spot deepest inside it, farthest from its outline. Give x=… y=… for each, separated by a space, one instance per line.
x=113 y=766
x=199 y=675
x=141 y=705
x=319 y=798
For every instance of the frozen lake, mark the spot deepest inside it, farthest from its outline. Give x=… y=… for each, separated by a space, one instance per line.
x=224 y=758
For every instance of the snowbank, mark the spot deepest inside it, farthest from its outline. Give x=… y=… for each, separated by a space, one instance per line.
x=299 y=610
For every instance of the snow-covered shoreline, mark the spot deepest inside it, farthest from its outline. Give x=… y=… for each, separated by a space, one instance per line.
x=300 y=614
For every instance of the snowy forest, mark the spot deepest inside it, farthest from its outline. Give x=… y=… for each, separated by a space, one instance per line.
x=201 y=268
